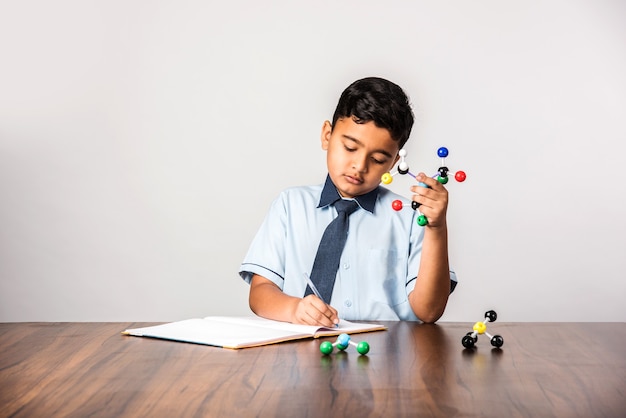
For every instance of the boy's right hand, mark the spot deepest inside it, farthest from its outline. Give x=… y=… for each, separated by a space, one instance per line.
x=268 y=300
x=311 y=310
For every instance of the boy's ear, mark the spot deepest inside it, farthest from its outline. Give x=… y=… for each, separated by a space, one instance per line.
x=327 y=130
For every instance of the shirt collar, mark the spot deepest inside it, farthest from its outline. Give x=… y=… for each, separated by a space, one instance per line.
x=330 y=195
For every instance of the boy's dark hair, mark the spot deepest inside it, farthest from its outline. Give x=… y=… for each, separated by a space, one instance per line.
x=380 y=101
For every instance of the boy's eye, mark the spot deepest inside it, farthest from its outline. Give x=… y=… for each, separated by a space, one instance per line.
x=349 y=149
x=377 y=161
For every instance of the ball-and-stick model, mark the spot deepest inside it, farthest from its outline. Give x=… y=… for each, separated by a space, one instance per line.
x=441 y=176
x=471 y=338
x=343 y=341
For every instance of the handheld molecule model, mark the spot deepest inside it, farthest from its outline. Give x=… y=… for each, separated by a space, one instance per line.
x=343 y=341
x=471 y=338
x=441 y=176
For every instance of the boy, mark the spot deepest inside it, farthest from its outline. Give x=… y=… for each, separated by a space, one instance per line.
x=390 y=267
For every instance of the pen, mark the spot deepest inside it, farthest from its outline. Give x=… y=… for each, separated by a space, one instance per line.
x=312 y=286
x=314 y=289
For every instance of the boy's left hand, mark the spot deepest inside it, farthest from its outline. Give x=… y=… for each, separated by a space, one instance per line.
x=433 y=200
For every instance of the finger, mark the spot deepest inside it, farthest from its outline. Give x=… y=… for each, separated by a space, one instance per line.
x=429 y=181
x=437 y=192
x=318 y=312
x=425 y=197
x=432 y=200
x=319 y=319
x=332 y=314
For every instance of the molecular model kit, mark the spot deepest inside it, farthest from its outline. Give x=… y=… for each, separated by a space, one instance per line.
x=442 y=177
x=343 y=342
x=471 y=338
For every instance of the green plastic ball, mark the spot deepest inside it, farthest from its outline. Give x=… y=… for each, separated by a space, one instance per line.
x=342 y=347
x=442 y=180
x=326 y=347
x=422 y=220
x=363 y=348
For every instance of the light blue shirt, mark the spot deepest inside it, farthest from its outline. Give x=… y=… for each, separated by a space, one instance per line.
x=379 y=263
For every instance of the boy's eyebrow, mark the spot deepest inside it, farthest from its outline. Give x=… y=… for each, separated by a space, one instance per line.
x=382 y=151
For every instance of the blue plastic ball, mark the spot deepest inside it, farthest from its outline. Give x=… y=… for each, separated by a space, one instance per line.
x=442 y=152
x=343 y=339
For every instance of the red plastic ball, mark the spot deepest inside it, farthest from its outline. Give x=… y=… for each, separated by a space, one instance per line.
x=397 y=205
x=460 y=176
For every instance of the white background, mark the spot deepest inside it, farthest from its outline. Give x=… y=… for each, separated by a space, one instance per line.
x=141 y=143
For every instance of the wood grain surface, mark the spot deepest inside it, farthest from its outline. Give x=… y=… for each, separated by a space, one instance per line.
x=89 y=369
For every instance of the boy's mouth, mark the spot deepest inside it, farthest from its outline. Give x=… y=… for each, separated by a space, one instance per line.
x=354 y=180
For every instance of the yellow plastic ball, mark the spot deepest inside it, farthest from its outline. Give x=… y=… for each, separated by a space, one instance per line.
x=386 y=178
x=480 y=327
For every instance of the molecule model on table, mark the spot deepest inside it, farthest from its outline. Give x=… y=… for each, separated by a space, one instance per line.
x=343 y=341
x=471 y=338
x=441 y=176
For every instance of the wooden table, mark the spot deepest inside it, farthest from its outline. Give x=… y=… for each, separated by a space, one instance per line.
x=89 y=369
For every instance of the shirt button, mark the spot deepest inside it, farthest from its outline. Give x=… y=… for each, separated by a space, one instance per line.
x=348 y=303
x=346 y=266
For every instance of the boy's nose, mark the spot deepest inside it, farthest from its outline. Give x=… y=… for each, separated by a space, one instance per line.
x=360 y=164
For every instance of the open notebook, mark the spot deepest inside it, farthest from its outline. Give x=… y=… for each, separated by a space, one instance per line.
x=243 y=332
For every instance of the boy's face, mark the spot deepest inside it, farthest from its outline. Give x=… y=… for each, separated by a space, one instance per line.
x=357 y=155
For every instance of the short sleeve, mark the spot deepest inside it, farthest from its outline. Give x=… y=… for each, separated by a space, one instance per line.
x=266 y=255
